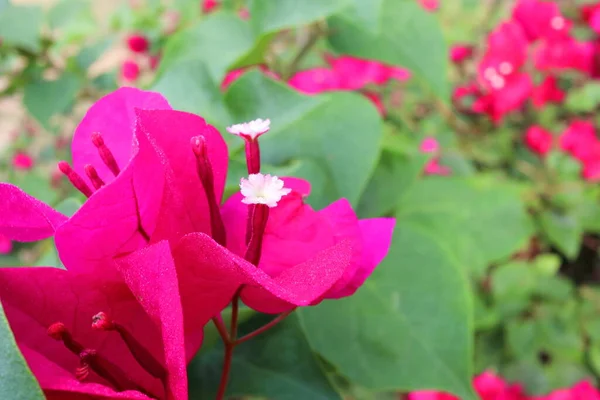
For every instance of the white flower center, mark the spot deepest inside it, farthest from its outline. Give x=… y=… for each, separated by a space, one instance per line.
x=505 y=68
x=557 y=23
x=497 y=82
x=252 y=129
x=262 y=189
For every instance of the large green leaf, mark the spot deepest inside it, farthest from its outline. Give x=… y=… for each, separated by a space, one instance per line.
x=480 y=220
x=217 y=41
x=16 y=381
x=563 y=231
x=20 y=26
x=341 y=132
x=269 y=15
x=189 y=87
x=396 y=32
x=45 y=99
x=409 y=327
x=278 y=364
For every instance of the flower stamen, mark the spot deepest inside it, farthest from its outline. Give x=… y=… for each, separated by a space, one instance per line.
x=105 y=153
x=76 y=180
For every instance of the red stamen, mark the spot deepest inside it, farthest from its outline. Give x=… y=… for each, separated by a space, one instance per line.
x=252 y=155
x=205 y=173
x=260 y=216
x=90 y=360
x=83 y=371
x=75 y=179
x=101 y=321
x=91 y=173
x=105 y=153
x=58 y=331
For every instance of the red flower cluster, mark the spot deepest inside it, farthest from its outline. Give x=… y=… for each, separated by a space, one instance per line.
x=578 y=140
x=491 y=387
x=536 y=44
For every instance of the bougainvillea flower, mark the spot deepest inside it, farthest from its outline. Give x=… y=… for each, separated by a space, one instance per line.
x=356 y=73
x=316 y=80
x=491 y=387
x=541 y=19
x=209 y=6
x=5 y=245
x=138 y=43
x=506 y=52
x=510 y=95
x=547 y=92
x=86 y=334
x=339 y=250
x=538 y=140
x=460 y=53
x=430 y=145
x=430 y=5
x=234 y=75
x=579 y=140
x=565 y=54
x=130 y=70
x=22 y=160
x=591 y=14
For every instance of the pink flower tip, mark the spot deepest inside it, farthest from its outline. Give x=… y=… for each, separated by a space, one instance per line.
x=138 y=43
x=198 y=144
x=252 y=129
x=57 y=330
x=22 y=161
x=130 y=70
x=5 y=245
x=429 y=145
x=101 y=322
x=263 y=189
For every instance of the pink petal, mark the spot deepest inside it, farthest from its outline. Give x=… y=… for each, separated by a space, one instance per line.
x=35 y=298
x=300 y=285
x=151 y=276
x=24 y=218
x=171 y=132
x=118 y=218
x=294 y=232
x=377 y=238
x=113 y=116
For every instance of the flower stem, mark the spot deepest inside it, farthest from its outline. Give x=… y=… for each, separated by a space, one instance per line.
x=230 y=339
x=264 y=328
x=229 y=342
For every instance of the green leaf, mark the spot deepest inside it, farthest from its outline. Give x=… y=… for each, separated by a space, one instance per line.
x=277 y=364
x=66 y=11
x=480 y=220
x=91 y=53
x=563 y=231
x=189 y=87
x=393 y=177
x=269 y=15
x=340 y=132
x=409 y=327
x=20 y=26
x=45 y=99
x=396 y=32
x=513 y=285
x=16 y=381
x=217 y=42
x=584 y=99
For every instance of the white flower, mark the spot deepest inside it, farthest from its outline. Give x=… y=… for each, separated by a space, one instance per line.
x=252 y=129
x=262 y=189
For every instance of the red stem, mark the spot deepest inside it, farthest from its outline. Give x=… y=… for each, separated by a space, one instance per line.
x=218 y=321
x=230 y=340
x=263 y=328
x=226 y=368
